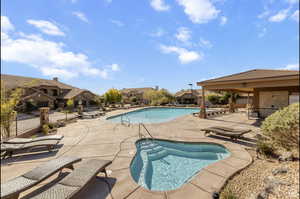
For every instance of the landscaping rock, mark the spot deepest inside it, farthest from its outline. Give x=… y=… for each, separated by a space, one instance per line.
x=262 y=195
x=286 y=156
x=280 y=170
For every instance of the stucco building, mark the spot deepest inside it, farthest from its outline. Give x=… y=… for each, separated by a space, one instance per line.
x=46 y=93
x=271 y=89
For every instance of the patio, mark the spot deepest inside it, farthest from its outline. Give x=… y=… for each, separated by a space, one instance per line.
x=98 y=138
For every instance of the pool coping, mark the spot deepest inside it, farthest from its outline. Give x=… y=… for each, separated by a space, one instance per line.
x=216 y=175
x=142 y=108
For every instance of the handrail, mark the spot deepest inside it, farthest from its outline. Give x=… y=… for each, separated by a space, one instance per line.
x=122 y=120
x=140 y=134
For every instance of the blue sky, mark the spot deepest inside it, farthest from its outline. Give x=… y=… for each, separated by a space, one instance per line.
x=100 y=44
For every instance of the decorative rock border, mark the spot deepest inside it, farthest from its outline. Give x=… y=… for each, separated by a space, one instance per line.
x=203 y=185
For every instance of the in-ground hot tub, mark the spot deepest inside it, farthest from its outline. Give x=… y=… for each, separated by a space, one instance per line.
x=161 y=165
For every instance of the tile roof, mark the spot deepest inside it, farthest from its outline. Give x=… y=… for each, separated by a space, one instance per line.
x=14 y=81
x=254 y=74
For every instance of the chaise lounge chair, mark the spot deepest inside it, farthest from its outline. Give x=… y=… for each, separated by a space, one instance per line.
x=75 y=181
x=225 y=131
x=12 y=188
x=18 y=144
x=28 y=140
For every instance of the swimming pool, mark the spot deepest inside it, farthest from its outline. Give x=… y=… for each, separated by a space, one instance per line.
x=166 y=165
x=153 y=115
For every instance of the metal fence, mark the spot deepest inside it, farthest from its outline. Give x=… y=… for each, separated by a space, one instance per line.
x=25 y=122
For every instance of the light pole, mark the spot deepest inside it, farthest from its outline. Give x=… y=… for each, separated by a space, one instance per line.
x=191 y=85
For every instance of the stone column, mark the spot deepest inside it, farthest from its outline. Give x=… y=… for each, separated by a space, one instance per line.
x=44 y=115
x=203 y=108
x=80 y=109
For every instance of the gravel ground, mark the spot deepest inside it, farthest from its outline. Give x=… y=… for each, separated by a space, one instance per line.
x=250 y=181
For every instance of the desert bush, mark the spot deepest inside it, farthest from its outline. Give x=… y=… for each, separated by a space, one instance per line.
x=282 y=127
x=158 y=97
x=228 y=194
x=45 y=129
x=265 y=148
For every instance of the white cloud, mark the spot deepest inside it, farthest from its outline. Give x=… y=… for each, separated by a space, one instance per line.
x=205 y=43
x=199 y=11
x=291 y=67
x=184 y=55
x=262 y=33
x=280 y=16
x=47 y=56
x=159 y=5
x=81 y=16
x=223 y=20
x=114 y=67
x=295 y=16
x=158 y=33
x=183 y=34
x=46 y=27
x=6 y=25
x=117 y=22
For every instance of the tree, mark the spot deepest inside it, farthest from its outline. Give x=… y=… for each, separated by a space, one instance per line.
x=70 y=104
x=158 y=97
x=9 y=101
x=99 y=100
x=112 y=96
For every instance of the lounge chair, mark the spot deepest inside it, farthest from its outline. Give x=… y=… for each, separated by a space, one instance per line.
x=12 y=188
x=75 y=181
x=28 y=140
x=225 y=131
x=20 y=144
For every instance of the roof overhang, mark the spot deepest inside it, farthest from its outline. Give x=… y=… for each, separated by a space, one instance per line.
x=248 y=85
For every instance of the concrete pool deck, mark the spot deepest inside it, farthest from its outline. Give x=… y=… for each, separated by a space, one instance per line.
x=99 y=138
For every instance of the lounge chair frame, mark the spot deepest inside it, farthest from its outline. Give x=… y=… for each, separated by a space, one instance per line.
x=234 y=134
x=76 y=181
x=35 y=176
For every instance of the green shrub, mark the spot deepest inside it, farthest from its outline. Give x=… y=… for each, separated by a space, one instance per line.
x=214 y=99
x=228 y=194
x=265 y=148
x=282 y=127
x=45 y=129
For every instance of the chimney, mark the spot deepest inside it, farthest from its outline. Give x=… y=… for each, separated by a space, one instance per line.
x=55 y=79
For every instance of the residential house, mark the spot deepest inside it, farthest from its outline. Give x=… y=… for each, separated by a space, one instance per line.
x=46 y=93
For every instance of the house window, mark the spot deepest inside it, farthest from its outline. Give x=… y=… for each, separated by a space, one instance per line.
x=54 y=91
x=45 y=90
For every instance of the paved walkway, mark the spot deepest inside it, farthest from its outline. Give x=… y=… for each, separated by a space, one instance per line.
x=99 y=138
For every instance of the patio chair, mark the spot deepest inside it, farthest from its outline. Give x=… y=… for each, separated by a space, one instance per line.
x=234 y=134
x=75 y=181
x=12 y=188
x=22 y=144
x=28 y=140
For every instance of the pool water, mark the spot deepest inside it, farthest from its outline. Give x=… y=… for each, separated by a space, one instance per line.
x=164 y=165
x=153 y=115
